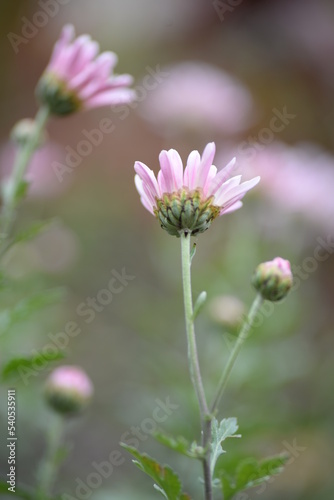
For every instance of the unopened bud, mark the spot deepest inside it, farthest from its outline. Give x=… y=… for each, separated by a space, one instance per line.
x=227 y=310
x=24 y=130
x=68 y=390
x=273 y=279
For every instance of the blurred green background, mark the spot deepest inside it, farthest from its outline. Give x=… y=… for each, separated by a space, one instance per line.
x=134 y=350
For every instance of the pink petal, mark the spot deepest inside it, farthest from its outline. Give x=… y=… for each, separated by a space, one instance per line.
x=211 y=175
x=111 y=97
x=225 y=187
x=172 y=169
x=86 y=51
x=237 y=192
x=206 y=162
x=66 y=36
x=231 y=208
x=145 y=199
x=191 y=170
x=148 y=178
x=221 y=177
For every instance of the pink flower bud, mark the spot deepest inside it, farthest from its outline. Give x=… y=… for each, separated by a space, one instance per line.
x=273 y=279
x=68 y=389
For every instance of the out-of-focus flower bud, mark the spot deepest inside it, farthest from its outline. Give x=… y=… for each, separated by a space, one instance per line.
x=24 y=130
x=273 y=279
x=227 y=310
x=68 y=390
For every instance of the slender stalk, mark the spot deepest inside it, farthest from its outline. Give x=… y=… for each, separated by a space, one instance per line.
x=50 y=464
x=243 y=335
x=195 y=373
x=21 y=162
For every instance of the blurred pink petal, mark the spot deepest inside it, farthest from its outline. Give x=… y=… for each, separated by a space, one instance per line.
x=196 y=95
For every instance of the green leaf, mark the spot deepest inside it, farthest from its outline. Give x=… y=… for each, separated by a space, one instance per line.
x=192 y=252
x=16 y=366
x=167 y=481
x=179 y=444
x=249 y=473
x=199 y=304
x=26 y=307
x=227 y=428
x=31 y=232
x=21 y=190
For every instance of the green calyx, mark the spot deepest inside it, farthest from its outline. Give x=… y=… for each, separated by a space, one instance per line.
x=271 y=282
x=185 y=212
x=55 y=94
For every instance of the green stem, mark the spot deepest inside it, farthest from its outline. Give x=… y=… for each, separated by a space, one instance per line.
x=243 y=335
x=195 y=373
x=21 y=162
x=50 y=464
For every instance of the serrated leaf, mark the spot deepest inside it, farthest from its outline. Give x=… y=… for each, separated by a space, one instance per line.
x=200 y=301
x=227 y=428
x=16 y=366
x=251 y=472
x=179 y=444
x=167 y=481
x=26 y=307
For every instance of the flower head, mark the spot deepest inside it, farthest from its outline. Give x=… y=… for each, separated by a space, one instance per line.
x=196 y=96
x=68 y=389
x=188 y=201
x=78 y=78
x=273 y=279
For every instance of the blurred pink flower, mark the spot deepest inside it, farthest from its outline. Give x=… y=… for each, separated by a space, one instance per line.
x=76 y=77
x=41 y=177
x=196 y=95
x=68 y=389
x=189 y=200
x=300 y=179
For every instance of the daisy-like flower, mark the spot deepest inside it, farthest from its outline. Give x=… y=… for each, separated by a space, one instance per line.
x=78 y=78
x=188 y=201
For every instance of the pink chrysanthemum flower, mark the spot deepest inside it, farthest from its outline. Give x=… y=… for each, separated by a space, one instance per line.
x=78 y=78
x=188 y=201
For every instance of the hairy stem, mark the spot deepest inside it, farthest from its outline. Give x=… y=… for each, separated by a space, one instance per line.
x=195 y=373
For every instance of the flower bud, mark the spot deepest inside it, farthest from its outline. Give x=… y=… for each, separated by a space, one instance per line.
x=68 y=390
x=24 y=130
x=273 y=279
x=227 y=310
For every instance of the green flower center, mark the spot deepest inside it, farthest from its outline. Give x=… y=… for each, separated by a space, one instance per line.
x=185 y=212
x=55 y=94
